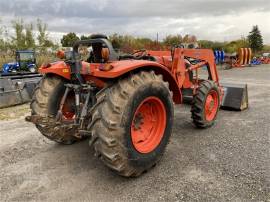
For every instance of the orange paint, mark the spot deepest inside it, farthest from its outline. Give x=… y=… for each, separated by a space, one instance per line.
x=60 y=68
x=211 y=105
x=148 y=125
x=174 y=72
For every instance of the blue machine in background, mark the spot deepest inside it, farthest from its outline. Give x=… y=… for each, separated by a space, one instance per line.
x=25 y=61
x=18 y=79
x=219 y=56
x=256 y=61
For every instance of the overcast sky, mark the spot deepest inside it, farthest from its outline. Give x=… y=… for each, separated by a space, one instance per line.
x=207 y=19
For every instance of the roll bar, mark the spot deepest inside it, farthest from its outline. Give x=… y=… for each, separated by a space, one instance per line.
x=106 y=42
x=76 y=67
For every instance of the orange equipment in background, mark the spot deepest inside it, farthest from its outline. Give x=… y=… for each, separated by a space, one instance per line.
x=243 y=57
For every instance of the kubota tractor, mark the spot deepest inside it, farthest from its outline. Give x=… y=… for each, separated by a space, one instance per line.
x=124 y=104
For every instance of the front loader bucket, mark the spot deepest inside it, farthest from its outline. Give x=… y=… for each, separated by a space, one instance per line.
x=17 y=89
x=235 y=97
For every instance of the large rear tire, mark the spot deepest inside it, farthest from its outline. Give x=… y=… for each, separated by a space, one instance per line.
x=45 y=103
x=205 y=104
x=132 y=123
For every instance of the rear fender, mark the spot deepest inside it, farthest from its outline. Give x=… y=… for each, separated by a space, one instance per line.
x=58 y=68
x=121 y=68
x=167 y=76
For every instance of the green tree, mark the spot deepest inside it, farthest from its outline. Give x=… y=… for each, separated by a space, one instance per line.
x=215 y=45
x=5 y=43
x=1 y=35
x=173 y=40
x=128 y=44
x=83 y=37
x=24 y=37
x=48 y=43
x=192 y=39
x=29 y=37
x=1 y=29
x=69 y=39
x=186 y=38
x=19 y=38
x=116 y=40
x=266 y=48
x=43 y=36
x=143 y=43
x=233 y=46
x=255 y=39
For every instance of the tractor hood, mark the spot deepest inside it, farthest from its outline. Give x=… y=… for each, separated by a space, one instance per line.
x=10 y=64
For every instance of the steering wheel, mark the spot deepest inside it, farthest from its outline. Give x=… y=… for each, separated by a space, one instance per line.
x=139 y=53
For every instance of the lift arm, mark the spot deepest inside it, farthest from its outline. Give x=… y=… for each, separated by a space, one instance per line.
x=205 y=56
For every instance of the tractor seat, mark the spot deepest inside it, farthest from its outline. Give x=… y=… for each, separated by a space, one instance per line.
x=105 y=54
x=99 y=55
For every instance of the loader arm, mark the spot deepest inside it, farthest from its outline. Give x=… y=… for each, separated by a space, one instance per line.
x=204 y=55
x=207 y=56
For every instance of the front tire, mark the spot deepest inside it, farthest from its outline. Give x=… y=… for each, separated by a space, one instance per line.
x=205 y=104
x=122 y=110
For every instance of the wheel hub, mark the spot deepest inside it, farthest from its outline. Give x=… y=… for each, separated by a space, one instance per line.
x=148 y=125
x=138 y=121
x=211 y=105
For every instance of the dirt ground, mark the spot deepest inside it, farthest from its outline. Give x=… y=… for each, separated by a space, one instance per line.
x=228 y=162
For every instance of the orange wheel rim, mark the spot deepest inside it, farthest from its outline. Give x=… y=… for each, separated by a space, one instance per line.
x=148 y=125
x=68 y=112
x=211 y=105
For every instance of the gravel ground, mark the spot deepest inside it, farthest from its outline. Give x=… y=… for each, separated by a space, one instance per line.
x=228 y=162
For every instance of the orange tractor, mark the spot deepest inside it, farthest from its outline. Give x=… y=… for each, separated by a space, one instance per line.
x=124 y=104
